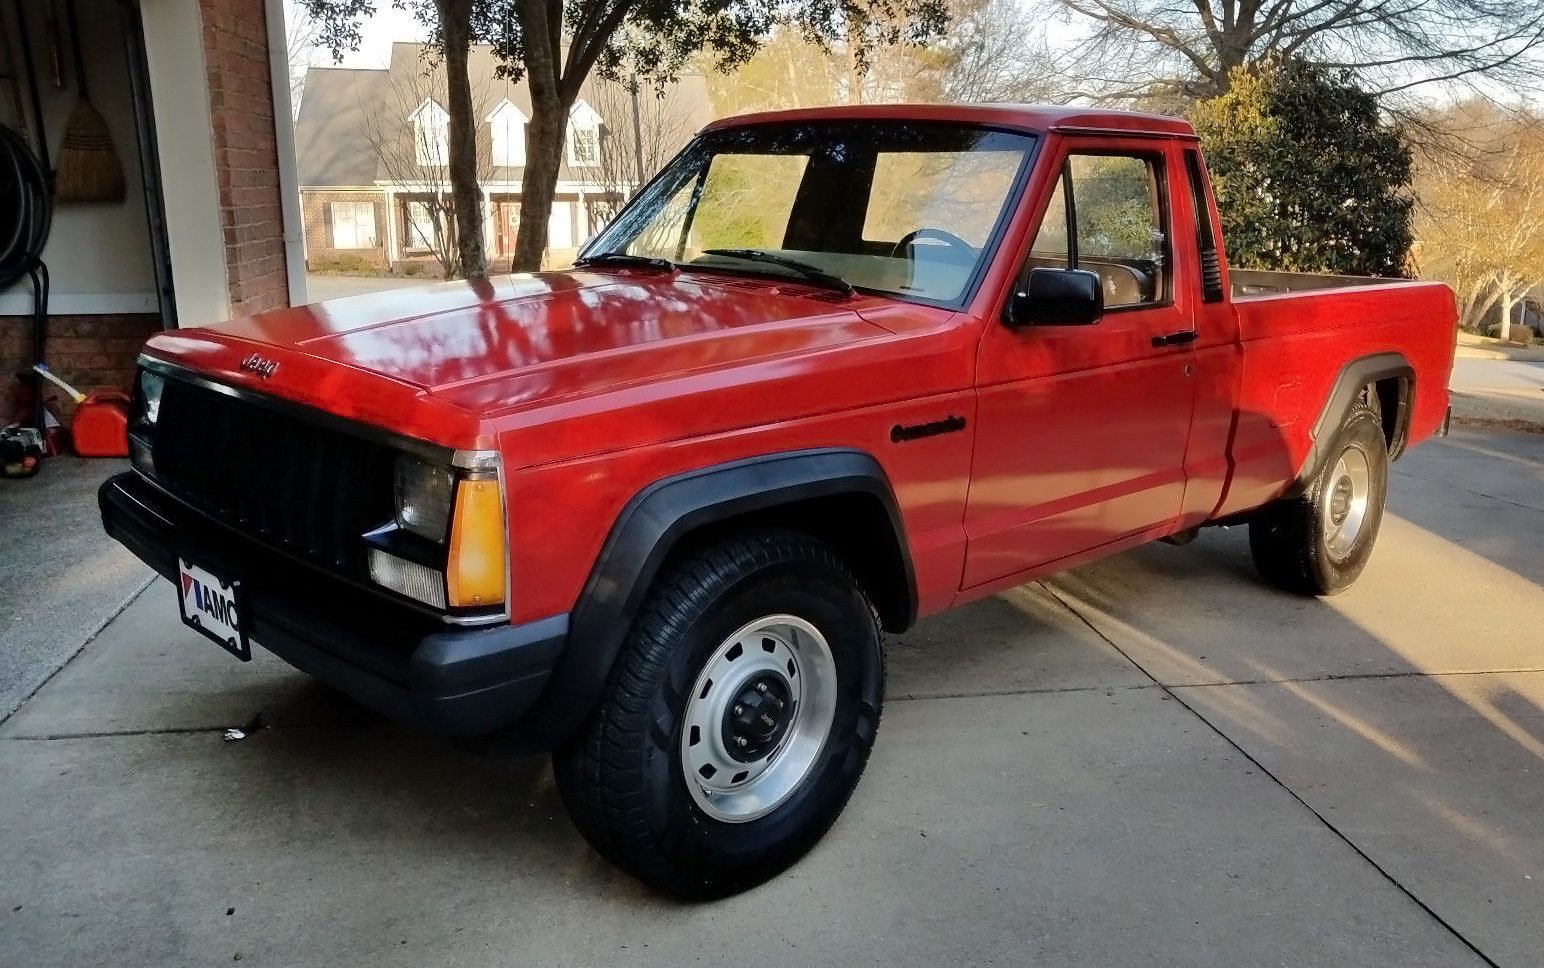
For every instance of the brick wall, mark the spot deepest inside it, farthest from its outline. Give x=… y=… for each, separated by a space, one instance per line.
x=320 y=255
x=91 y=352
x=245 y=152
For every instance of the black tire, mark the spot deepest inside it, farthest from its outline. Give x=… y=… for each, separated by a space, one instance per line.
x=1287 y=538
x=622 y=778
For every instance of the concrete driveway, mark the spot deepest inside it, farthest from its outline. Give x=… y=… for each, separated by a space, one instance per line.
x=319 y=288
x=1154 y=760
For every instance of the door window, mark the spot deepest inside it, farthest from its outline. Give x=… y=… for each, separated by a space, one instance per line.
x=1107 y=215
x=422 y=226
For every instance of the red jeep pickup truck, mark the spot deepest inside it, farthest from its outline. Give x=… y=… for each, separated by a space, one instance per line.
x=830 y=371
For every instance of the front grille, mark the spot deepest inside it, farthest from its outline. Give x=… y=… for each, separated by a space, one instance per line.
x=292 y=483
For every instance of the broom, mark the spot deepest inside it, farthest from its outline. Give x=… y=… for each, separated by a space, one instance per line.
x=88 y=166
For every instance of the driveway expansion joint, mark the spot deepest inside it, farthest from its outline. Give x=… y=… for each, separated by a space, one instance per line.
x=90 y=637
x=1265 y=771
x=168 y=731
x=1467 y=490
x=903 y=697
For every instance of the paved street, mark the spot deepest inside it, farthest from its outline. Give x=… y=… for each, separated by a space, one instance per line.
x=1154 y=760
x=1498 y=393
x=1470 y=374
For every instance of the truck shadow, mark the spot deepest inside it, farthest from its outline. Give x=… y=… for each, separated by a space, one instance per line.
x=1480 y=490
x=1402 y=709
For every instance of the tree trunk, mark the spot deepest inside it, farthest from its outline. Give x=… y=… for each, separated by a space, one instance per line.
x=543 y=158
x=1507 y=289
x=545 y=131
x=466 y=193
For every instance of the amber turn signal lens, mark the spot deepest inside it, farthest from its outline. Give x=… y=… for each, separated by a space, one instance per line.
x=474 y=574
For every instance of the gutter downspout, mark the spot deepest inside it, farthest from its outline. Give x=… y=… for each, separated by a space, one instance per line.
x=284 y=141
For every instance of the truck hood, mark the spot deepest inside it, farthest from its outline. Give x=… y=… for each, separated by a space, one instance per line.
x=544 y=356
x=495 y=343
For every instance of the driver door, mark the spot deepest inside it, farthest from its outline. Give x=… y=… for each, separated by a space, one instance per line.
x=1082 y=429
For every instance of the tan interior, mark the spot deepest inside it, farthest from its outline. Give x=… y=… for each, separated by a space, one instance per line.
x=1123 y=285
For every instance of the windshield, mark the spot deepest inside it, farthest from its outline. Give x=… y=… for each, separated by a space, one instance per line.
x=903 y=208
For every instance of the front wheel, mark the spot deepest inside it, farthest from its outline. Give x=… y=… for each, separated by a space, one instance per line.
x=1319 y=542
x=737 y=720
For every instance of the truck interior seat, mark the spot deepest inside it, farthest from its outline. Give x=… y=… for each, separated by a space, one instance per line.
x=1123 y=285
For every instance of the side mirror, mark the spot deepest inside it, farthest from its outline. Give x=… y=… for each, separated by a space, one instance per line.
x=1057 y=297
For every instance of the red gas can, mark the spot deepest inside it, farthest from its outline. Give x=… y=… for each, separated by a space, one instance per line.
x=101 y=425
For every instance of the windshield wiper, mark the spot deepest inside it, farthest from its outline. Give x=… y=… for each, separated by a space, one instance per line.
x=625 y=259
x=812 y=273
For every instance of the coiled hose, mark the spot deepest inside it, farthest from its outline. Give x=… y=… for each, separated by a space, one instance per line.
x=26 y=215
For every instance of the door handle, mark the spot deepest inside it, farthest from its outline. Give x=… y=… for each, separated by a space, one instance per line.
x=1180 y=338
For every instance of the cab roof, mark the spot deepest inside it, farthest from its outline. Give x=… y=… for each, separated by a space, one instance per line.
x=1026 y=117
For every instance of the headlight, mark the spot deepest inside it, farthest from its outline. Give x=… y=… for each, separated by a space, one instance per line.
x=145 y=412
x=424 y=494
x=150 y=387
x=460 y=509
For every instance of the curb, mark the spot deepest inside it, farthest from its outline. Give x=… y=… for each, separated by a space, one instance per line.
x=1500 y=423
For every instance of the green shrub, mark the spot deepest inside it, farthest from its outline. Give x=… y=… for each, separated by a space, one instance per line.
x=346 y=264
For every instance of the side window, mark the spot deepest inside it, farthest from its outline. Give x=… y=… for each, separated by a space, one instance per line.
x=1117 y=227
x=1051 y=249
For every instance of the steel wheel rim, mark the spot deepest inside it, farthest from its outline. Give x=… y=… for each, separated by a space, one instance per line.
x=1347 y=497
x=782 y=652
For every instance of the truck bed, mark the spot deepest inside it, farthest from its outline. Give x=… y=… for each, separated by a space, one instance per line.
x=1295 y=337
x=1248 y=283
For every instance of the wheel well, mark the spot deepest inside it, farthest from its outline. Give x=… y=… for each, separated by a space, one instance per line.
x=1393 y=395
x=856 y=524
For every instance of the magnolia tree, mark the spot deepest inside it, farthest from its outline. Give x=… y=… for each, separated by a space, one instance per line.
x=1309 y=174
x=557 y=45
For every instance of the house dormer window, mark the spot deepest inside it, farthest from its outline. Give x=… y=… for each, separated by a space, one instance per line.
x=431 y=134
x=583 y=136
x=507 y=124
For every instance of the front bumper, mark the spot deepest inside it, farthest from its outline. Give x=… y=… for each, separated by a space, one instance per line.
x=465 y=683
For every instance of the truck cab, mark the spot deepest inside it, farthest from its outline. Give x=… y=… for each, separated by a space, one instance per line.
x=831 y=371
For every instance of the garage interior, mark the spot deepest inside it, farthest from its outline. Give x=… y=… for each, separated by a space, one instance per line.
x=208 y=226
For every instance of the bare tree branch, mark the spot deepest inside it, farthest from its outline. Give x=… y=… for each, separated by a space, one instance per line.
x=1393 y=46
x=408 y=157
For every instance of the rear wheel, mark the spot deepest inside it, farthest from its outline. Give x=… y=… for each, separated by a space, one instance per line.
x=737 y=720
x=1318 y=542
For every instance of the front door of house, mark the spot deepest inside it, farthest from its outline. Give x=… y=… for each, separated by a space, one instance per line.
x=506 y=225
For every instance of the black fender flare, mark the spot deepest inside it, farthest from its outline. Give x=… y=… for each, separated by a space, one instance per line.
x=648 y=528
x=1349 y=382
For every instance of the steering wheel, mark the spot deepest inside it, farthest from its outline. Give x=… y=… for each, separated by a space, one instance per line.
x=949 y=238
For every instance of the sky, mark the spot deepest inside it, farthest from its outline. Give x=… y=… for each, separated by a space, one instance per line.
x=388 y=25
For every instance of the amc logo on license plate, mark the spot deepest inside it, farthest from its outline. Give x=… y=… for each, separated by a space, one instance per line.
x=212 y=605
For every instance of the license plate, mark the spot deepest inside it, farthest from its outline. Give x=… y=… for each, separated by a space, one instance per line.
x=212 y=605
